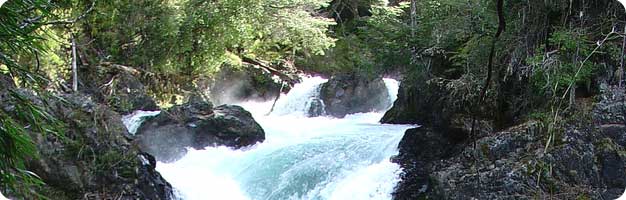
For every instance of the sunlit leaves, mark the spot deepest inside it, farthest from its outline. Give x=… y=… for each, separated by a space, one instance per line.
x=265 y=29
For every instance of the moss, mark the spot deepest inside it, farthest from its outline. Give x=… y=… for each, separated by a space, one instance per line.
x=109 y=160
x=484 y=147
x=120 y=102
x=540 y=116
x=606 y=144
x=75 y=149
x=583 y=197
x=51 y=193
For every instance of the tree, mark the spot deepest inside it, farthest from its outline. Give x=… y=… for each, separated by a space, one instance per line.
x=270 y=30
x=19 y=22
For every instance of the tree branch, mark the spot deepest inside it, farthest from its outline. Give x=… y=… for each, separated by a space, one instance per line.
x=272 y=70
x=73 y=21
x=37 y=20
x=119 y=67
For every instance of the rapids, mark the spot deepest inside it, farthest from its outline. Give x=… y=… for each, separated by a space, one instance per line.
x=319 y=158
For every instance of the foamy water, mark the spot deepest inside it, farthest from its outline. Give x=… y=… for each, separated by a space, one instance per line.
x=302 y=158
x=2 y=197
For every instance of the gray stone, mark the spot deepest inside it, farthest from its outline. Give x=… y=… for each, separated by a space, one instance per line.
x=198 y=125
x=349 y=94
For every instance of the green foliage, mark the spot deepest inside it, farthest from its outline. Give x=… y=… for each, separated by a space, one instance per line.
x=385 y=35
x=139 y=33
x=16 y=144
x=20 y=24
x=15 y=147
x=17 y=35
x=555 y=71
x=367 y=45
x=269 y=30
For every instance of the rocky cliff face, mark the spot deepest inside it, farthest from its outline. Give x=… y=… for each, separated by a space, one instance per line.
x=197 y=124
x=92 y=158
x=349 y=94
x=438 y=103
x=586 y=160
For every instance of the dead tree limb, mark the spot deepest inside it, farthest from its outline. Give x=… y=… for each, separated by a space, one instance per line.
x=283 y=76
x=72 y=21
x=282 y=85
x=621 y=71
x=483 y=92
x=74 y=68
x=119 y=67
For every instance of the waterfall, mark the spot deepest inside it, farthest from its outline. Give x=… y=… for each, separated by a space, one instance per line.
x=301 y=97
x=134 y=120
x=392 y=88
x=312 y=158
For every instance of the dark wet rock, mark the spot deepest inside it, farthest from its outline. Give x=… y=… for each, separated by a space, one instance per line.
x=418 y=149
x=443 y=104
x=316 y=108
x=586 y=160
x=610 y=114
x=232 y=85
x=434 y=103
x=612 y=169
x=423 y=144
x=93 y=159
x=6 y=82
x=349 y=94
x=231 y=126
x=119 y=89
x=611 y=109
x=197 y=124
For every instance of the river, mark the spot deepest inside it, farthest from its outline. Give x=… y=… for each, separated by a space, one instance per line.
x=318 y=158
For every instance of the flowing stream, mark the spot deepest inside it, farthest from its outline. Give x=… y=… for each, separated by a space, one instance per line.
x=301 y=158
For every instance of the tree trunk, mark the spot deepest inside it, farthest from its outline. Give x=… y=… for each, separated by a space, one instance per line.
x=621 y=70
x=572 y=94
x=74 y=68
x=413 y=15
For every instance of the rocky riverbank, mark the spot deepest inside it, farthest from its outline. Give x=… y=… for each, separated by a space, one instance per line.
x=586 y=158
x=84 y=151
x=89 y=155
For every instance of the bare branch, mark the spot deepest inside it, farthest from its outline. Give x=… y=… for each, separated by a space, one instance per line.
x=72 y=21
x=119 y=67
x=37 y=20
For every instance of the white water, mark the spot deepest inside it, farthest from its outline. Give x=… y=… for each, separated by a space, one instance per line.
x=133 y=121
x=2 y=197
x=298 y=101
x=301 y=158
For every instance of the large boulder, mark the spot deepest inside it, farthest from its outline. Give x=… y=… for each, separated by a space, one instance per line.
x=586 y=160
x=441 y=104
x=198 y=125
x=434 y=102
x=89 y=156
x=231 y=85
x=418 y=150
x=610 y=114
x=349 y=94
